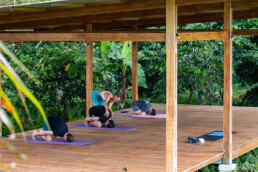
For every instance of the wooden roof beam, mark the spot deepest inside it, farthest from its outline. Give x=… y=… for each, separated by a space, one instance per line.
x=87 y=10
x=159 y=37
x=26 y=9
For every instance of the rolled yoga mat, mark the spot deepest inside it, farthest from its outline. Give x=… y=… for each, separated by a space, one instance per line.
x=115 y=128
x=61 y=141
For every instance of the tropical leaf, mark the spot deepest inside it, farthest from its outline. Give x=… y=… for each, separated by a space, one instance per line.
x=104 y=48
x=20 y=85
x=67 y=67
x=8 y=123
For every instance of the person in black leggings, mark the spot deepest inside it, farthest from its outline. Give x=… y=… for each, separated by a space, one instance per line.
x=98 y=117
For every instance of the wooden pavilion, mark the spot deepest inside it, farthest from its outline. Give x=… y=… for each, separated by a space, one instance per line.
x=127 y=20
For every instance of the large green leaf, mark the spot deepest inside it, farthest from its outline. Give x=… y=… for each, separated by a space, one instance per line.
x=141 y=76
x=105 y=46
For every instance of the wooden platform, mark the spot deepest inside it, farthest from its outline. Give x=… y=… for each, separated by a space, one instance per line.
x=141 y=149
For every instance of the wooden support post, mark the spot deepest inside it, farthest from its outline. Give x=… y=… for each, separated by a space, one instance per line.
x=134 y=68
x=89 y=71
x=227 y=119
x=1 y=132
x=171 y=99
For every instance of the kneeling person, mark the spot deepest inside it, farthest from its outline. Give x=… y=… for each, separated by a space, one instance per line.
x=142 y=107
x=58 y=128
x=98 y=117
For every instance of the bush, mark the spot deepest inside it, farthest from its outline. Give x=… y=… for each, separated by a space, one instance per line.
x=251 y=97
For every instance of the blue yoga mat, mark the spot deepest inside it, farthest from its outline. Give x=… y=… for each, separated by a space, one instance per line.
x=115 y=128
x=216 y=133
x=61 y=141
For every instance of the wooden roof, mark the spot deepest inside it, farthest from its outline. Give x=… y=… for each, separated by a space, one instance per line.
x=106 y=15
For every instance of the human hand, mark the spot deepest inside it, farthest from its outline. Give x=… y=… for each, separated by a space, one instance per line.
x=107 y=114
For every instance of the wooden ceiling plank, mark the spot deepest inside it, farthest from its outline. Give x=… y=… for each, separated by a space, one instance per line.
x=244 y=4
x=157 y=22
x=84 y=19
x=189 y=2
x=4 y=13
x=87 y=10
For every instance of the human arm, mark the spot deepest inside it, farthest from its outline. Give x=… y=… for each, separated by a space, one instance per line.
x=139 y=112
x=108 y=96
x=110 y=108
x=46 y=135
x=90 y=119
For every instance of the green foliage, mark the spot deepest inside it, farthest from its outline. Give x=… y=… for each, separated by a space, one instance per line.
x=247 y=162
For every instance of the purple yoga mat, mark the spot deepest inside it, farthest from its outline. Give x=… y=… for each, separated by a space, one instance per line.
x=115 y=128
x=150 y=116
x=144 y=116
x=61 y=141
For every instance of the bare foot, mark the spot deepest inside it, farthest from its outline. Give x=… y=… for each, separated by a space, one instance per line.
x=34 y=134
x=87 y=123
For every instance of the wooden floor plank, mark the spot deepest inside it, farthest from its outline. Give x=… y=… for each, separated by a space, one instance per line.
x=142 y=149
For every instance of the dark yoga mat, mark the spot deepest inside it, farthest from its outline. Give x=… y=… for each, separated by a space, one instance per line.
x=115 y=128
x=214 y=135
x=61 y=141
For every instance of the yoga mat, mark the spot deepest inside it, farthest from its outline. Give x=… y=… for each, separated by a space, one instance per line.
x=213 y=136
x=61 y=141
x=124 y=114
x=144 y=116
x=115 y=128
x=150 y=116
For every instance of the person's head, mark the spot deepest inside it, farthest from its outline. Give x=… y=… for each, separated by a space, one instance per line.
x=68 y=137
x=111 y=124
x=152 y=112
x=116 y=98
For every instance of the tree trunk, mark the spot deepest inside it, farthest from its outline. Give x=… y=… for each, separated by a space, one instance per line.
x=206 y=96
x=191 y=94
x=23 y=117
x=123 y=89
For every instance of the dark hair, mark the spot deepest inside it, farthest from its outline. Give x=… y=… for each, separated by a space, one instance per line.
x=111 y=124
x=70 y=137
x=153 y=112
x=118 y=95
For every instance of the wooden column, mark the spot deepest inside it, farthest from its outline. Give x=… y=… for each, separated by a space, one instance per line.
x=227 y=119
x=171 y=82
x=1 y=132
x=89 y=71
x=134 y=68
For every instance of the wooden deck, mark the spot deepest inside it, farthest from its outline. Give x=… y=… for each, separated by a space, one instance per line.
x=141 y=149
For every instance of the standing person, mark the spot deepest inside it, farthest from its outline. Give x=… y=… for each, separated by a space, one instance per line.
x=142 y=107
x=98 y=118
x=104 y=98
x=58 y=129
